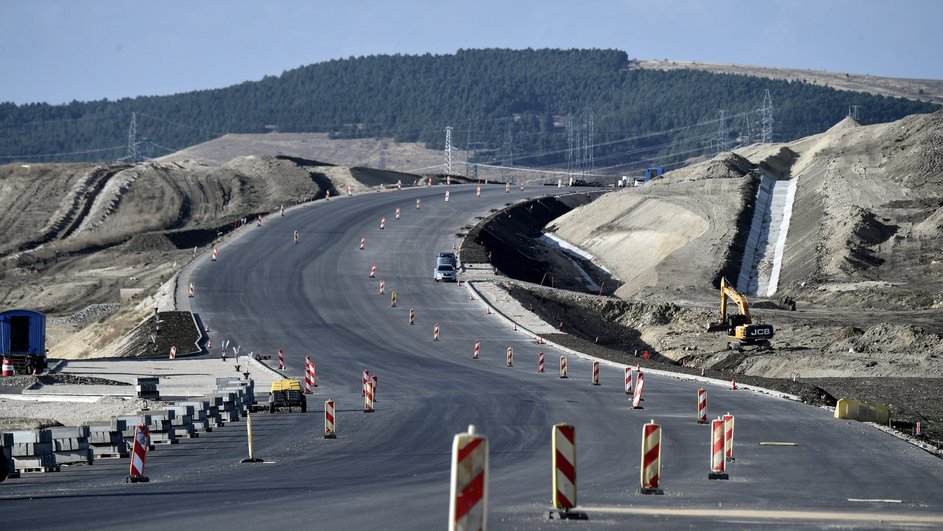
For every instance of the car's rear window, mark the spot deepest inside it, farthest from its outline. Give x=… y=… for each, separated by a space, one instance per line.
x=446 y=268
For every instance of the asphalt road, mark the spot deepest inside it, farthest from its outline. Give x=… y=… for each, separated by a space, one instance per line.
x=390 y=469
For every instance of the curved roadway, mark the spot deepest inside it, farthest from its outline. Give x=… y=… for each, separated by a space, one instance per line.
x=390 y=469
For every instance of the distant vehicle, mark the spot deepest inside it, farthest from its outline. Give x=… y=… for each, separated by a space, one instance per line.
x=446 y=257
x=444 y=272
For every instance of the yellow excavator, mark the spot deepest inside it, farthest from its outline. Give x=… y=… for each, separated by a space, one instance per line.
x=740 y=327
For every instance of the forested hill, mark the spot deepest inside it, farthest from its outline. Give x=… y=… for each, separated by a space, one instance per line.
x=510 y=105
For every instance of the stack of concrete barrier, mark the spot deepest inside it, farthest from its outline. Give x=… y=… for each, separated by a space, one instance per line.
x=70 y=445
x=214 y=413
x=201 y=413
x=158 y=426
x=182 y=420
x=235 y=385
x=32 y=451
x=232 y=405
x=6 y=450
x=106 y=441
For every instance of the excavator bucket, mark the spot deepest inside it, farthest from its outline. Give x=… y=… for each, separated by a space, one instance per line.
x=716 y=327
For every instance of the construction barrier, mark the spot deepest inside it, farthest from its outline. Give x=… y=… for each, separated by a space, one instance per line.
x=139 y=455
x=382 y=288
x=281 y=359
x=418 y=203
x=435 y=332
x=468 y=497
x=595 y=373
x=190 y=290
x=510 y=357
x=412 y=316
x=327 y=195
x=373 y=271
x=718 y=465
x=701 y=406
x=382 y=223
x=522 y=187
x=733 y=383
x=313 y=371
x=564 y=466
x=507 y=188
x=213 y=256
x=8 y=367
x=728 y=437
x=477 y=351
x=368 y=398
x=295 y=238
x=363 y=242
x=309 y=383
x=259 y=221
x=393 y=299
x=478 y=191
x=446 y=196
x=364 y=379
x=639 y=386
x=350 y=191
x=252 y=458
x=540 y=363
x=563 y=367
x=651 y=459
x=374 y=381
x=396 y=215
x=330 y=431
x=862 y=411
x=628 y=380
x=173 y=352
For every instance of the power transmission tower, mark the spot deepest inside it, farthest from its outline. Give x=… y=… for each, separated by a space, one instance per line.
x=508 y=153
x=720 y=140
x=133 y=151
x=766 y=133
x=382 y=163
x=590 y=143
x=570 y=147
x=853 y=112
x=471 y=169
x=746 y=132
x=448 y=150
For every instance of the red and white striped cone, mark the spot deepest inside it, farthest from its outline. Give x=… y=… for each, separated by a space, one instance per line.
x=399 y=184
x=522 y=187
x=510 y=357
x=448 y=180
x=8 y=367
x=435 y=332
x=396 y=214
x=446 y=196
x=173 y=352
x=477 y=350
x=595 y=373
x=382 y=288
x=364 y=380
x=563 y=372
x=139 y=455
x=259 y=221
x=733 y=383
x=382 y=223
x=468 y=492
x=350 y=191
x=281 y=359
x=213 y=256
x=478 y=191
x=209 y=344
x=373 y=271
x=564 y=467
x=330 y=428
x=703 y=371
x=701 y=406
x=628 y=380
x=540 y=363
x=363 y=242
x=412 y=316
x=651 y=459
x=327 y=195
x=718 y=468
x=313 y=370
x=639 y=387
x=728 y=437
x=374 y=381
x=308 y=383
x=540 y=340
x=418 y=203
x=507 y=188
x=429 y=181
x=190 y=290
x=368 y=398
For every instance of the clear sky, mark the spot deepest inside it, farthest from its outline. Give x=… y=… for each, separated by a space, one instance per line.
x=62 y=50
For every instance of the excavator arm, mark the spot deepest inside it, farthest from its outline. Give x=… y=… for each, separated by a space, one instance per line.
x=726 y=290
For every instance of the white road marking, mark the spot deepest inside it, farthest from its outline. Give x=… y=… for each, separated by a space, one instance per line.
x=883 y=518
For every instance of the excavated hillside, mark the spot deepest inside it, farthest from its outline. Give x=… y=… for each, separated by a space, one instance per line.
x=863 y=255
x=80 y=234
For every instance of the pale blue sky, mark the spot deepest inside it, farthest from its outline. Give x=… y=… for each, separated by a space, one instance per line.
x=60 y=50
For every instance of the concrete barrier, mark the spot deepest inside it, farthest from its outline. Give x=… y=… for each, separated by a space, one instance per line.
x=862 y=411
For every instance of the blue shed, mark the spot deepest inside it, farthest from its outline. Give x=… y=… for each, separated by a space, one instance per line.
x=22 y=332
x=651 y=173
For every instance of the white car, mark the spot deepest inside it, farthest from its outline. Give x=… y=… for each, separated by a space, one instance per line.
x=444 y=272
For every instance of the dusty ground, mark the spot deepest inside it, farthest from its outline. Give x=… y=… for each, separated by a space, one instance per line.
x=930 y=90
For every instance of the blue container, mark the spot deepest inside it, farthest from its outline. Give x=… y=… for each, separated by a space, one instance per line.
x=651 y=173
x=22 y=332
